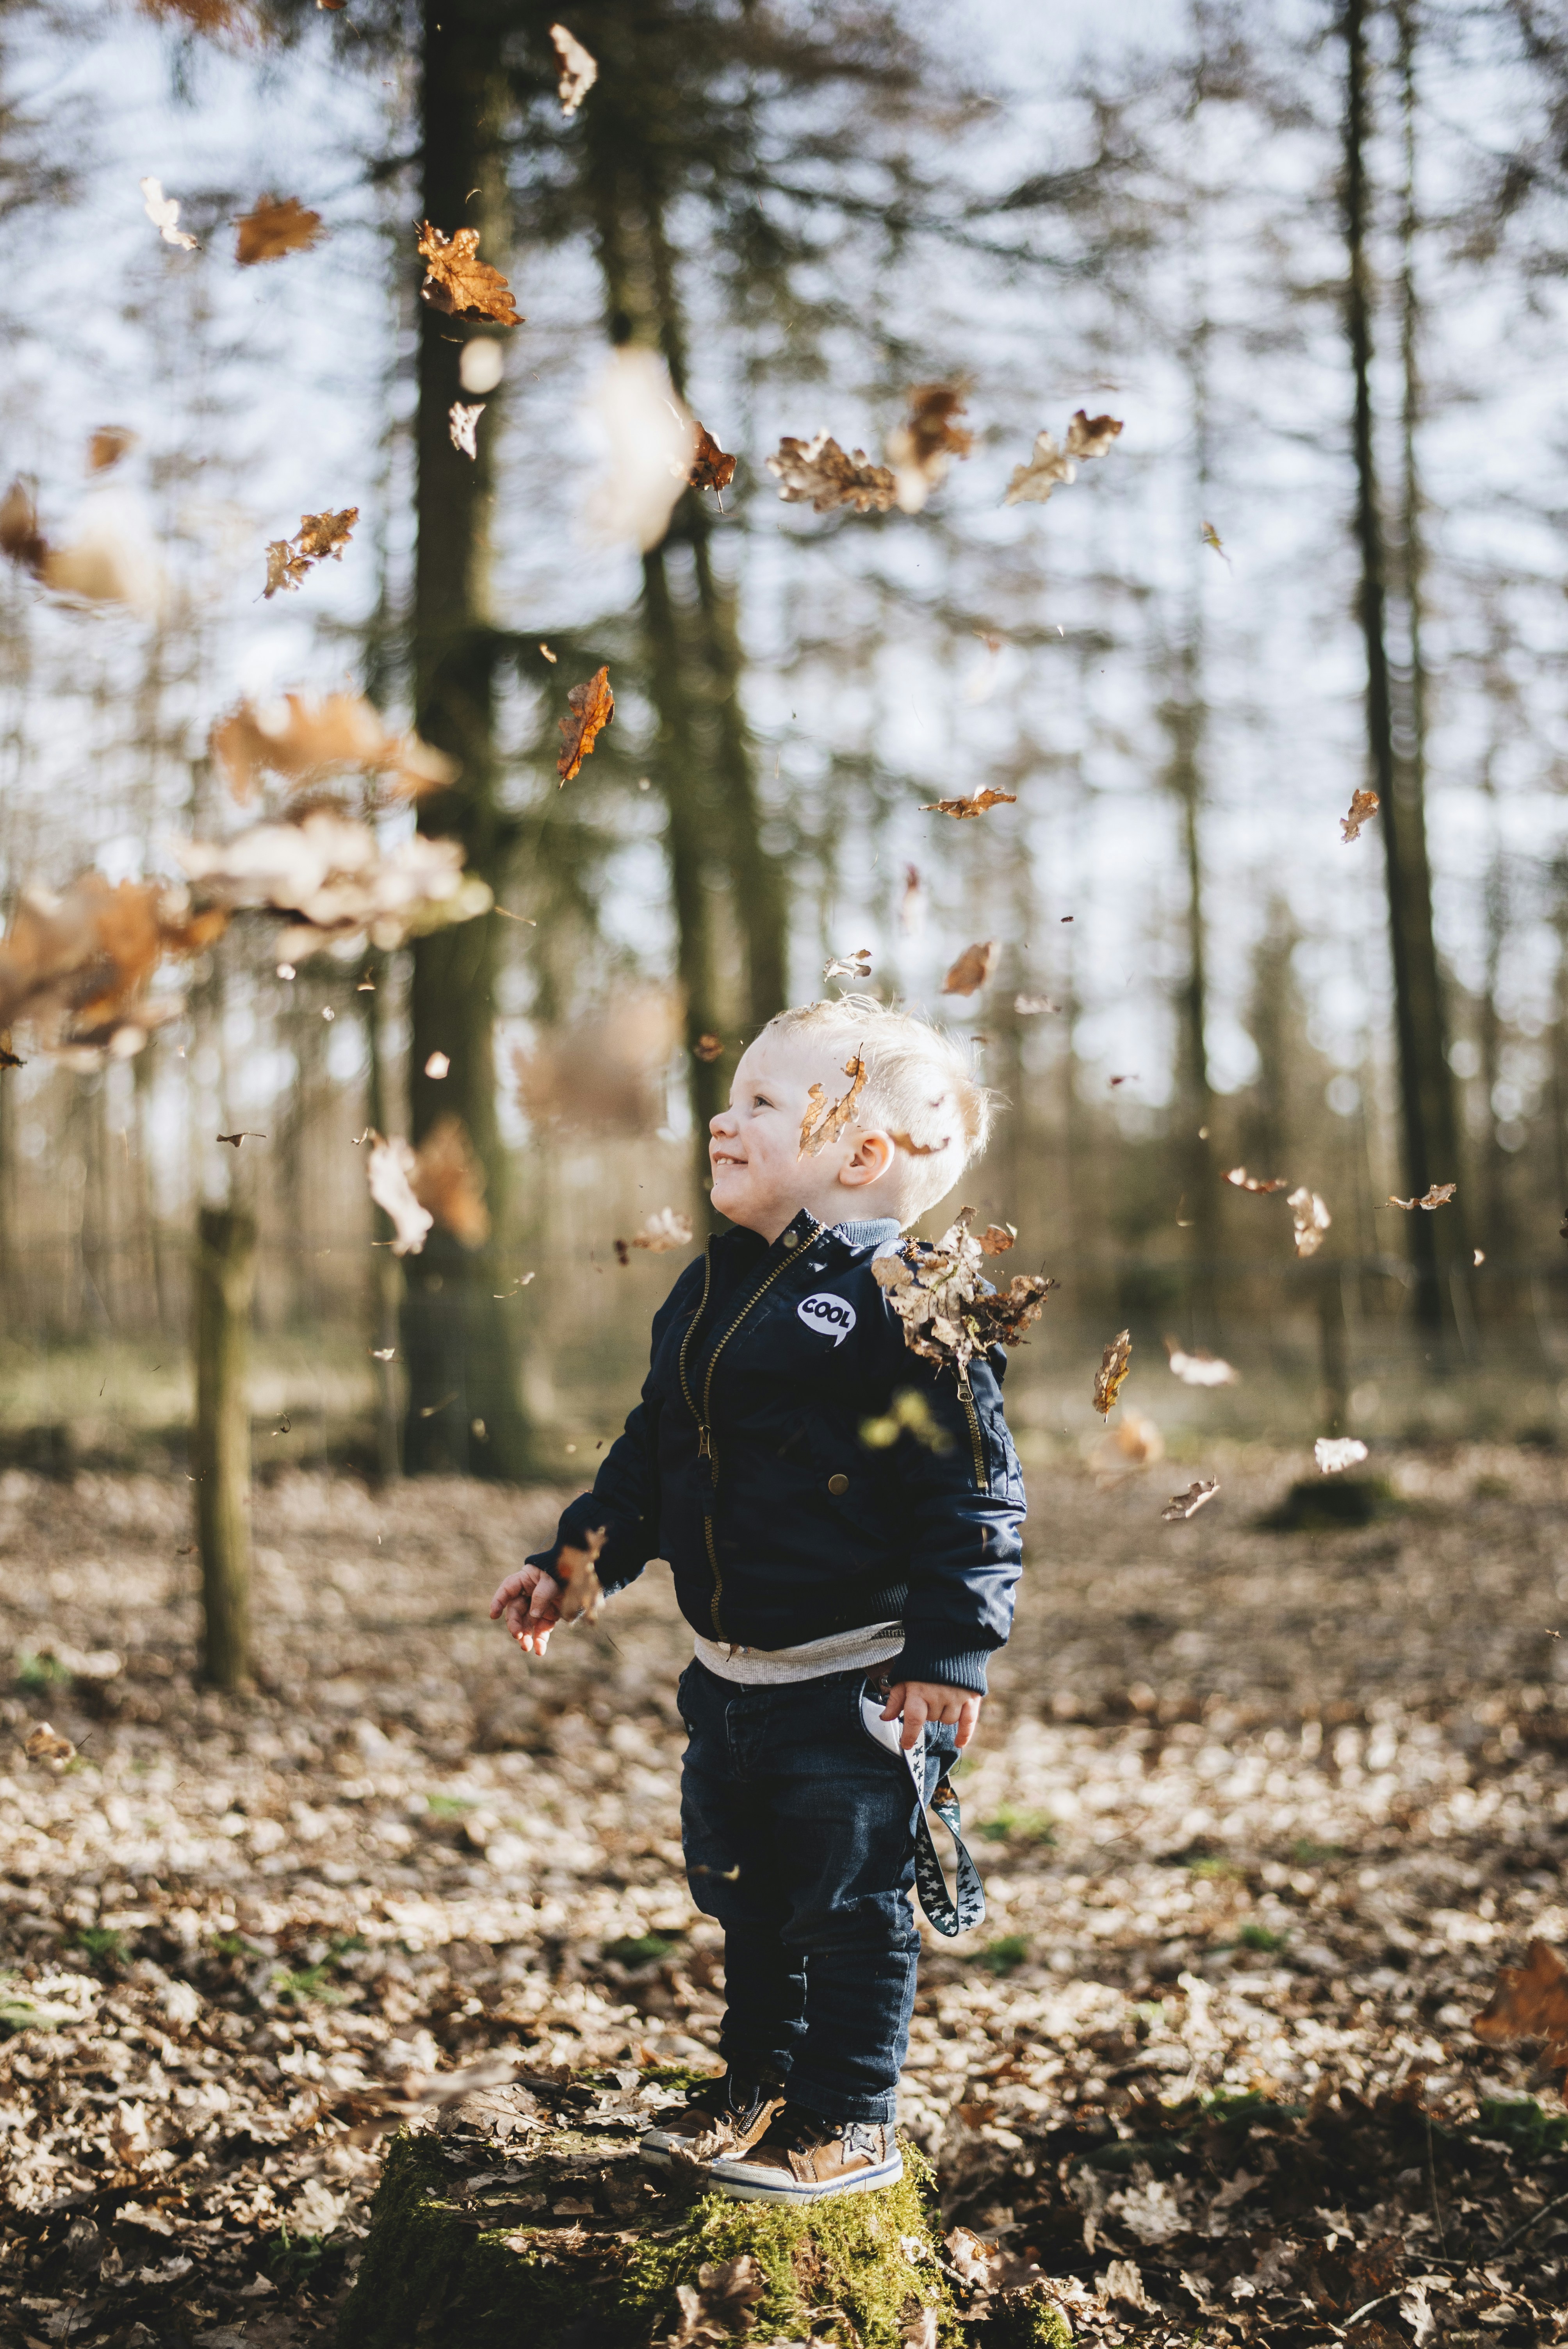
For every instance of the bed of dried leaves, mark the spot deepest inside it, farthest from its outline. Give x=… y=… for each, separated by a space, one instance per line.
x=1261 y=1813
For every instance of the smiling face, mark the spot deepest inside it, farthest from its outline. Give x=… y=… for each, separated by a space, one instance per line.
x=759 y=1177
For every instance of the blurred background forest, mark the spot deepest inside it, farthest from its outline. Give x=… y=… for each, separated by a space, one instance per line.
x=1312 y=256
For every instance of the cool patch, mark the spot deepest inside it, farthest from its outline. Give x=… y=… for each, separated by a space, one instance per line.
x=829 y=1316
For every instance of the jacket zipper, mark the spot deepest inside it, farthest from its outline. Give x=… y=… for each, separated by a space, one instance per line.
x=977 y=1440
x=705 y=1447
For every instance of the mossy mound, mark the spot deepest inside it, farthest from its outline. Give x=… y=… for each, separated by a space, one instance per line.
x=1331 y=1504
x=523 y=2221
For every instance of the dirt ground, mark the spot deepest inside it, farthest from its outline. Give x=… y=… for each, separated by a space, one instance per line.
x=1261 y=1813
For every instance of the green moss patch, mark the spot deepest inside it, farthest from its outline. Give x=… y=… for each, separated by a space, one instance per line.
x=575 y=2241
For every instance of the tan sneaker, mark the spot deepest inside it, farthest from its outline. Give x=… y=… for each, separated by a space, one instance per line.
x=722 y=2116
x=803 y=2158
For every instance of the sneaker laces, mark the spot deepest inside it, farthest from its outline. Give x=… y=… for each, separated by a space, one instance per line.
x=795 y=2129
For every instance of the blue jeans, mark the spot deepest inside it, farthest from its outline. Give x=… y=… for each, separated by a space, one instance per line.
x=799 y=1834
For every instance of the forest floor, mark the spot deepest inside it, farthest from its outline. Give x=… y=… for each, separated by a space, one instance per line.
x=1260 y=1815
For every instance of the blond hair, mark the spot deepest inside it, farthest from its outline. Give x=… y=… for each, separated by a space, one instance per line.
x=919 y=1087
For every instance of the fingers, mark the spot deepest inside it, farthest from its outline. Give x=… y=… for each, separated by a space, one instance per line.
x=894 y=1704
x=915 y=1715
x=968 y=1720
x=510 y=1589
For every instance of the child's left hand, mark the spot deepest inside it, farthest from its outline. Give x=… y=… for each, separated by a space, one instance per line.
x=934 y=1701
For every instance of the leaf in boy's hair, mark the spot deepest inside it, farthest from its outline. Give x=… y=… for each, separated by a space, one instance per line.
x=824 y=1119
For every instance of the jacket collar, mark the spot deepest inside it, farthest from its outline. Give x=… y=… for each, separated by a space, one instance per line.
x=875 y=1233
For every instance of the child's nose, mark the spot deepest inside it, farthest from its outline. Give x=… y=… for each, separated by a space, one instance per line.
x=723 y=1124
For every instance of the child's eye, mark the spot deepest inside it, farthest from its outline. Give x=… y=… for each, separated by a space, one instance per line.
x=760 y=1101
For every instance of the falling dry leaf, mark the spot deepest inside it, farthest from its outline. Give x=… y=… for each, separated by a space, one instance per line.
x=339 y=880
x=972 y=969
x=579 y=71
x=1114 y=1365
x=462 y=423
x=318 y=536
x=824 y=1119
x=1530 y=2001
x=1311 y=1219
x=978 y=805
x=437 y=1065
x=108 y=444
x=449 y=1181
x=45 y=1743
x=459 y=282
x=1478 y=1258
x=1199 y=1369
x=817 y=471
x=1243 y=1181
x=549 y=656
x=387 y=1170
x=576 y=1570
x=1437 y=1194
x=107 y=562
x=949 y=1308
x=1027 y=1005
x=666 y=1229
x=1334 y=1453
x=997 y=1238
x=1051 y=466
x=301 y=740
x=164 y=213
x=707 y=1048
x=592 y=706
x=711 y=469
x=237 y=1138
x=923 y=446
x=1363 y=805
x=384 y=1353
x=1188 y=1503
x=74 y=967
x=857 y=965
x=273 y=229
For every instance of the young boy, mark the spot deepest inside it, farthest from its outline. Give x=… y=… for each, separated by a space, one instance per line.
x=814 y=1570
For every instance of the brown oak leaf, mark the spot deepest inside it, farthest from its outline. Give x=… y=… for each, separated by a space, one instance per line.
x=972 y=969
x=308 y=738
x=578 y=70
x=1243 y=1181
x=707 y=1048
x=46 y=1744
x=1363 y=805
x=274 y=228
x=459 y=282
x=817 y=471
x=74 y=967
x=576 y=1570
x=449 y=1181
x=997 y=1238
x=949 y=1308
x=711 y=468
x=1437 y=1194
x=318 y=536
x=975 y=806
x=1530 y=2001
x=926 y=443
x=824 y=1119
x=108 y=444
x=1051 y=466
x=592 y=706
x=1111 y=1375
x=1188 y=1503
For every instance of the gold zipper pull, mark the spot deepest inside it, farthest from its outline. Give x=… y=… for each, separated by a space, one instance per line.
x=702 y=1450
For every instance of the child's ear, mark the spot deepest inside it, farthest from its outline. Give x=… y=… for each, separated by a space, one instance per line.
x=868 y=1160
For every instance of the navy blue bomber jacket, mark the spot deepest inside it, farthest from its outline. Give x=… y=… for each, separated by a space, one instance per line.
x=743 y=1463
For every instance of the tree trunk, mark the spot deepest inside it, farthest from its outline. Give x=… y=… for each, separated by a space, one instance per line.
x=463 y=1407
x=386 y=1276
x=1436 y=1240
x=225 y=1286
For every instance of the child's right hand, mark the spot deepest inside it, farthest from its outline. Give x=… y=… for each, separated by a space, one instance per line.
x=530 y=1600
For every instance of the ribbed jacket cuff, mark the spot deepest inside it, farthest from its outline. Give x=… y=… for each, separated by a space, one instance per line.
x=922 y=1661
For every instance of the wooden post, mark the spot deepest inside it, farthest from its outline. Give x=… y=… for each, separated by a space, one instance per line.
x=225 y=1285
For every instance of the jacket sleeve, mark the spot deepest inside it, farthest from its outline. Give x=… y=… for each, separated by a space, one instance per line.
x=624 y=1500
x=965 y=1508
